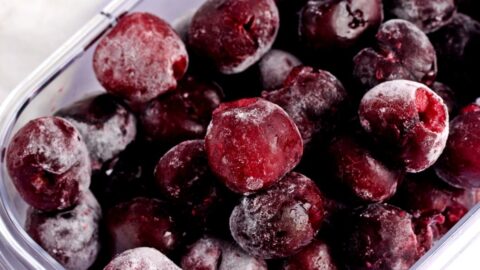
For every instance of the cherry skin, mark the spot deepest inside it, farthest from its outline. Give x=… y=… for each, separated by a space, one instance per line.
x=313 y=98
x=184 y=177
x=182 y=114
x=234 y=34
x=279 y=221
x=275 y=67
x=316 y=256
x=361 y=172
x=381 y=237
x=459 y=164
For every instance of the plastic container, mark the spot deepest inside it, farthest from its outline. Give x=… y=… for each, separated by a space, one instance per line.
x=68 y=76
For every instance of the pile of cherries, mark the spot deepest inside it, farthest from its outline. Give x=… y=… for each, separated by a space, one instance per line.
x=319 y=134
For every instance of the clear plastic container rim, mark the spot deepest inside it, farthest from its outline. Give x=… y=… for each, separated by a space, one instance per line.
x=18 y=251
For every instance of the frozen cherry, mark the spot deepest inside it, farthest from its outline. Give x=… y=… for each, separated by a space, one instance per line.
x=409 y=120
x=403 y=52
x=274 y=68
x=183 y=114
x=459 y=164
x=381 y=237
x=279 y=221
x=183 y=176
x=313 y=98
x=361 y=172
x=316 y=256
x=71 y=236
x=106 y=126
x=142 y=258
x=457 y=45
x=214 y=254
x=142 y=222
x=251 y=144
x=332 y=24
x=429 y=15
x=49 y=164
x=140 y=58
x=234 y=34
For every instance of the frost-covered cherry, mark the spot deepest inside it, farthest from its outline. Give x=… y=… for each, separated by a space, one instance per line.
x=234 y=34
x=49 y=164
x=251 y=144
x=381 y=237
x=459 y=164
x=71 y=236
x=408 y=120
x=210 y=253
x=313 y=98
x=106 y=126
x=279 y=221
x=402 y=51
x=142 y=258
x=274 y=68
x=140 y=58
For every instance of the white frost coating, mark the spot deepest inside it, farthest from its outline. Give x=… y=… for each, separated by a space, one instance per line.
x=234 y=258
x=255 y=113
x=73 y=234
x=212 y=252
x=275 y=67
x=48 y=141
x=203 y=254
x=142 y=258
x=397 y=89
x=254 y=183
x=113 y=137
